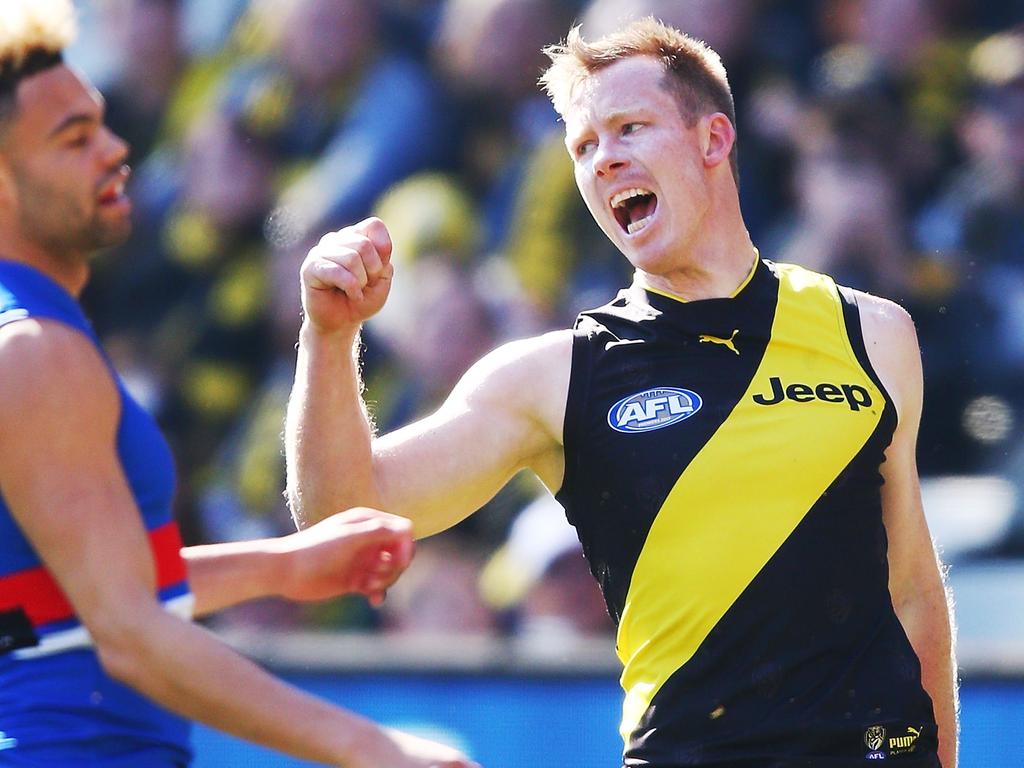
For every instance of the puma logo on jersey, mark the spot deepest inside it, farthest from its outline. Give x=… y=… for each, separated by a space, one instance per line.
x=706 y=337
x=653 y=409
x=854 y=396
x=899 y=745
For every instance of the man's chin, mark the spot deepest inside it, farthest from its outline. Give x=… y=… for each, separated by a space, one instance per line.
x=111 y=234
x=647 y=257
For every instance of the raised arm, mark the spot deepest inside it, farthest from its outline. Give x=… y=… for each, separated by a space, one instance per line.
x=504 y=415
x=916 y=582
x=345 y=280
x=64 y=485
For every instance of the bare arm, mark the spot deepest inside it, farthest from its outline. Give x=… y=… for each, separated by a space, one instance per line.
x=359 y=550
x=327 y=430
x=346 y=279
x=506 y=414
x=916 y=583
x=83 y=523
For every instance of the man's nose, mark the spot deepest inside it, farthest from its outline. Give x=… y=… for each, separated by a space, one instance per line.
x=609 y=158
x=116 y=149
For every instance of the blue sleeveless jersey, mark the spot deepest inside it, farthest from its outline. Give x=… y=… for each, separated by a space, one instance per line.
x=57 y=705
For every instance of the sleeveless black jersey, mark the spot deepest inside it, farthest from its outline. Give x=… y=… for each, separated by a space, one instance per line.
x=722 y=470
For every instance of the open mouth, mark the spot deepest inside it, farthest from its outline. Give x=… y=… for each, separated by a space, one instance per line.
x=112 y=194
x=634 y=208
x=113 y=191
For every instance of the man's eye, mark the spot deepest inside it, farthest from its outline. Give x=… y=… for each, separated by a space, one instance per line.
x=629 y=128
x=584 y=148
x=77 y=142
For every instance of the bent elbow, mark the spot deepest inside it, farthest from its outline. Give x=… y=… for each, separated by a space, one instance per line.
x=123 y=643
x=122 y=657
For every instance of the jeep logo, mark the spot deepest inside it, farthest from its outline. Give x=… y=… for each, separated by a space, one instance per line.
x=854 y=396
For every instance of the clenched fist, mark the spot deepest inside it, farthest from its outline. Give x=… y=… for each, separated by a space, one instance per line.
x=346 y=277
x=360 y=550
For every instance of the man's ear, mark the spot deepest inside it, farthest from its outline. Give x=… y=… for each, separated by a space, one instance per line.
x=720 y=135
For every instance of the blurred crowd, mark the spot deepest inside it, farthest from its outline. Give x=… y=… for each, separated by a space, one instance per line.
x=880 y=141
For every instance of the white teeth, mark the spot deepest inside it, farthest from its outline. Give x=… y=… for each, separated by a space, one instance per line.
x=636 y=226
x=625 y=195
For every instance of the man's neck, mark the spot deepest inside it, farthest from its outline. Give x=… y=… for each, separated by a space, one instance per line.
x=70 y=271
x=719 y=256
x=715 y=266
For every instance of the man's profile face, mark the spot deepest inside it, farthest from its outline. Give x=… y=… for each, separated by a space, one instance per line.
x=68 y=168
x=637 y=164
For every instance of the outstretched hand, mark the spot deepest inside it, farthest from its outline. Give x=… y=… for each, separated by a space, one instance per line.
x=360 y=550
x=346 y=277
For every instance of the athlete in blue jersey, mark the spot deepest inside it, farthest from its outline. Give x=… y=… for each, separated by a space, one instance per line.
x=99 y=663
x=733 y=440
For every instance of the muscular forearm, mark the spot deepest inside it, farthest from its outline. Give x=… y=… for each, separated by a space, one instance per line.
x=327 y=433
x=927 y=619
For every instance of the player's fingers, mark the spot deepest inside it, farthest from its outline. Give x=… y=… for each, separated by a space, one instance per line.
x=395 y=553
x=353 y=515
x=377 y=233
x=320 y=273
x=394 y=524
x=387 y=520
x=373 y=263
x=384 y=540
x=386 y=273
x=353 y=249
x=402 y=552
x=378 y=583
x=388 y=543
x=383 y=562
x=378 y=535
x=352 y=259
x=385 y=573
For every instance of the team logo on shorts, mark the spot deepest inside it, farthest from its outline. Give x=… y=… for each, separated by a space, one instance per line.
x=874 y=737
x=653 y=409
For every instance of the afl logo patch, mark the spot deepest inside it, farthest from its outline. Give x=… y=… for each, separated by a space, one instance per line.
x=653 y=409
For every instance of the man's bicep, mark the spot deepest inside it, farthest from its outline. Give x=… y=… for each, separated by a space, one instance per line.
x=503 y=416
x=60 y=476
x=893 y=348
x=915 y=579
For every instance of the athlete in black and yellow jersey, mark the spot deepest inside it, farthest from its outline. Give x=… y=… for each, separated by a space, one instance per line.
x=733 y=440
x=722 y=470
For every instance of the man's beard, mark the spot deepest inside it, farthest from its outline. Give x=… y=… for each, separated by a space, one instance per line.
x=64 y=232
